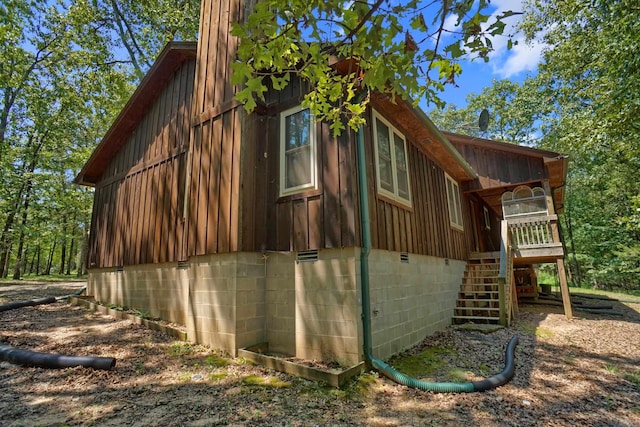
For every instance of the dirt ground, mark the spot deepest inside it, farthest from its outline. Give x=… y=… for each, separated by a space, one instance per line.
x=585 y=372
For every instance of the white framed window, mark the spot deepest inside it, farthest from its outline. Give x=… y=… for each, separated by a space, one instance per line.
x=453 y=201
x=392 y=165
x=298 y=151
x=487 y=218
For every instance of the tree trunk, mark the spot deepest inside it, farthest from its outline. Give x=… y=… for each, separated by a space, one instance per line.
x=63 y=249
x=71 y=256
x=4 y=267
x=25 y=214
x=33 y=260
x=38 y=260
x=82 y=267
x=47 y=272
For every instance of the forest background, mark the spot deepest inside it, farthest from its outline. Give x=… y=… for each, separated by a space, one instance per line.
x=68 y=67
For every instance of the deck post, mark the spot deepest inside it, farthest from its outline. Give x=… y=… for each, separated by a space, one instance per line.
x=564 y=288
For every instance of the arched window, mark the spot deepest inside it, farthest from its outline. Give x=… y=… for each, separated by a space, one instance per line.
x=524 y=201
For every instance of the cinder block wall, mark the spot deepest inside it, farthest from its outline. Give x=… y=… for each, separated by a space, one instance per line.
x=328 y=307
x=157 y=290
x=310 y=310
x=410 y=301
x=226 y=302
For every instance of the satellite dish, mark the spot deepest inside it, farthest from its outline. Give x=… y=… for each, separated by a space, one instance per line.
x=483 y=121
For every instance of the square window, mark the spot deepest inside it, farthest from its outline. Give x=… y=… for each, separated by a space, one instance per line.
x=298 y=171
x=392 y=166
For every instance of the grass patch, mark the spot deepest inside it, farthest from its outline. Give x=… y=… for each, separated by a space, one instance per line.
x=179 y=349
x=218 y=375
x=256 y=380
x=423 y=364
x=216 y=361
x=633 y=378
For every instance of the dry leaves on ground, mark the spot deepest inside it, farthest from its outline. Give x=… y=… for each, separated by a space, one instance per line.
x=584 y=371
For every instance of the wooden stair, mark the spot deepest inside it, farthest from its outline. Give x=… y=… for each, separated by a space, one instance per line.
x=478 y=299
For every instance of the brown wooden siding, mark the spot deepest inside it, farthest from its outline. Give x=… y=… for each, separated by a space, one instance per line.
x=322 y=218
x=496 y=168
x=424 y=228
x=215 y=197
x=214 y=188
x=138 y=200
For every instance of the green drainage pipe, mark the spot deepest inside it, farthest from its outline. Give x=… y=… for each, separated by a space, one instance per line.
x=387 y=370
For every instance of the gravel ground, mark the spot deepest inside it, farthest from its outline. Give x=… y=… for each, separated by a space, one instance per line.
x=585 y=372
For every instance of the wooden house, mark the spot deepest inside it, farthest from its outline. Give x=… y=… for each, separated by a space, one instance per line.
x=247 y=228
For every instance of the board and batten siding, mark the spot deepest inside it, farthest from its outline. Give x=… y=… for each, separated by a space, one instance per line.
x=138 y=215
x=214 y=197
x=424 y=228
x=321 y=218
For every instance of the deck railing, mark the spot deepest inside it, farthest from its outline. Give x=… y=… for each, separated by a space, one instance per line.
x=534 y=232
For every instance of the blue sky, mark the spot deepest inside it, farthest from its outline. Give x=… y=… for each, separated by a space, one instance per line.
x=514 y=64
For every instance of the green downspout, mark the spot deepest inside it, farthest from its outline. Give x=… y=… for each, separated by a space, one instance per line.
x=384 y=368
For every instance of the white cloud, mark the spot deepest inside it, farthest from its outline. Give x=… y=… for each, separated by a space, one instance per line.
x=523 y=57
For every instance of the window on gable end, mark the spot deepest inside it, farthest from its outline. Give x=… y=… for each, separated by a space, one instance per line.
x=298 y=158
x=453 y=202
x=392 y=165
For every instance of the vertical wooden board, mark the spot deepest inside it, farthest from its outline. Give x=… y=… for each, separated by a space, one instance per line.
x=329 y=175
x=226 y=159
x=300 y=225
x=380 y=226
x=132 y=202
x=173 y=225
x=439 y=212
x=421 y=206
x=181 y=232
x=161 y=212
x=409 y=232
x=316 y=223
x=376 y=208
x=151 y=213
x=236 y=8
x=213 y=55
x=166 y=232
x=191 y=189
x=155 y=130
x=95 y=231
x=348 y=183
x=236 y=161
x=249 y=164
x=107 y=242
x=202 y=61
x=213 y=138
x=184 y=113
x=124 y=207
x=272 y=184
x=222 y=63
x=399 y=238
x=284 y=227
x=204 y=195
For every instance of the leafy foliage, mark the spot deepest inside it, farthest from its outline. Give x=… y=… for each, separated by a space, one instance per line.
x=584 y=102
x=66 y=70
x=392 y=47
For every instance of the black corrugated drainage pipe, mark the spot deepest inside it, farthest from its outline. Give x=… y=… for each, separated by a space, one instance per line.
x=489 y=383
x=53 y=361
x=38 y=301
x=47 y=360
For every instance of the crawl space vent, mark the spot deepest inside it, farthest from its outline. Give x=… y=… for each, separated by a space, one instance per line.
x=307 y=256
x=404 y=257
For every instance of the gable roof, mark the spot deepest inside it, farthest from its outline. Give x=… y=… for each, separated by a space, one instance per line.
x=555 y=167
x=169 y=61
